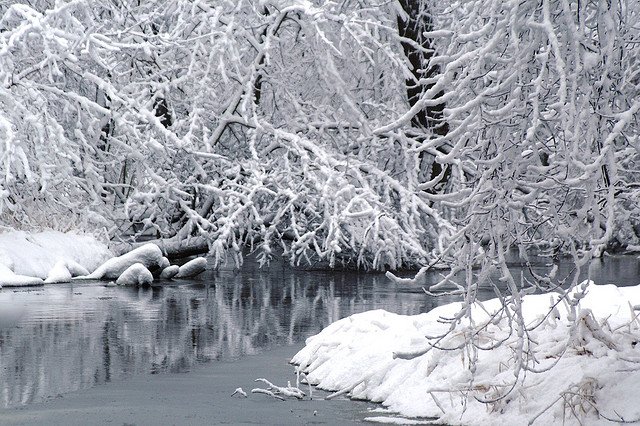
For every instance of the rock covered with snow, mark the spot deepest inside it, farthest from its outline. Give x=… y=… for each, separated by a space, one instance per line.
x=169 y=272
x=136 y=274
x=75 y=269
x=406 y=363
x=192 y=268
x=55 y=257
x=148 y=255
x=164 y=263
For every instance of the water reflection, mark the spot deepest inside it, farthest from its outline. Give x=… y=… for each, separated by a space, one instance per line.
x=60 y=338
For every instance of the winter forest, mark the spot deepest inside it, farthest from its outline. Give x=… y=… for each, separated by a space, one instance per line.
x=378 y=135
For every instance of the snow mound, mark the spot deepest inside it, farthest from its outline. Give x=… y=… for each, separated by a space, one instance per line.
x=59 y=273
x=416 y=368
x=76 y=269
x=8 y=278
x=148 y=255
x=35 y=254
x=192 y=268
x=169 y=272
x=136 y=274
x=164 y=263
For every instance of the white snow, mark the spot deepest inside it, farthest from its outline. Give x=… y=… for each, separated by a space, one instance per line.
x=148 y=255
x=8 y=278
x=169 y=272
x=59 y=273
x=164 y=263
x=35 y=254
x=601 y=364
x=75 y=269
x=192 y=268
x=136 y=274
x=55 y=257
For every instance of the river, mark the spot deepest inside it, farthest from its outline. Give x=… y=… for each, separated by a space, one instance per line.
x=63 y=338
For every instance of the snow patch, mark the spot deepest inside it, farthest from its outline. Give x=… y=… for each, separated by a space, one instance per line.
x=8 y=278
x=59 y=273
x=35 y=254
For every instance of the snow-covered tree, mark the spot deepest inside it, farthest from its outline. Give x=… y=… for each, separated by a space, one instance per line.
x=374 y=133
x=236 y=123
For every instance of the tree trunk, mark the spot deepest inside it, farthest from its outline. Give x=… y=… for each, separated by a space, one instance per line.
x=413 y=28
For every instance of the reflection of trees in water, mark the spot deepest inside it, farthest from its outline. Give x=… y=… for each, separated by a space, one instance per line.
x=78 y=337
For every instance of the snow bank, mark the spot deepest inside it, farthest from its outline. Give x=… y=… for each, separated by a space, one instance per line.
x=55 y=257
x=148 y=255
x=8 y=278
x=35 y=254
x=596 y=365
x=59 y=273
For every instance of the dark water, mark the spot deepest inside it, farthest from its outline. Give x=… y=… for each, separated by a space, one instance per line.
x=60 y=338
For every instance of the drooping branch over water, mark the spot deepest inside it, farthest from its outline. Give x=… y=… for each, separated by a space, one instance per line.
x=372 y=134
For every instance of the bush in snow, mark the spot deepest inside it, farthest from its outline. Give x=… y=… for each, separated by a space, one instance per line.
x=301 y=125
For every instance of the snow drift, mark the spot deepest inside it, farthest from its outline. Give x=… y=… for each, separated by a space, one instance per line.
x=588 y=369
x=35 y=254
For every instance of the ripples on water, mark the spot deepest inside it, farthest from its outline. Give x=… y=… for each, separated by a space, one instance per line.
x=60 y=338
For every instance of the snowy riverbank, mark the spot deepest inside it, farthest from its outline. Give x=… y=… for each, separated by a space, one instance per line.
x=34 y=255
x=591 y=371
x=28 y=259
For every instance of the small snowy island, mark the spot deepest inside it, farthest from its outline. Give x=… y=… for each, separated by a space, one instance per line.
x=32 y=259
x=575 y=361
